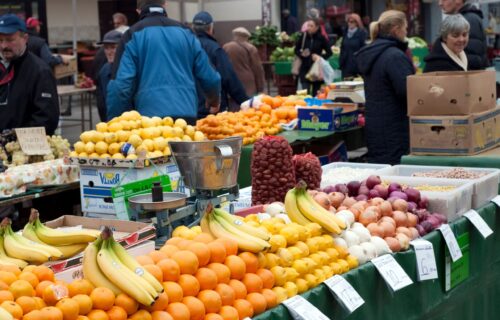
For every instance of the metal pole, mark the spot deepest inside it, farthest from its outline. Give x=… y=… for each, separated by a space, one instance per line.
x=75 y=22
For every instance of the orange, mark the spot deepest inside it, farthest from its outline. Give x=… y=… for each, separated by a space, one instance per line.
x=102 y=298
x=174 y=241
x=237 y=267
x=253 y=282
x=51 y=313
x=54 y=293
x=11 y=268
x=271 y=298
x=4 y=286
x=30 y=277
x=157 y=255
x=240 y=291
x=189 y=284
x=126 y=303
x=204 y=237
x=43 y=273
x=265 y=108
x=213 y=316
x=231 y=246
x=6 y=295
x=173 y=290
x=84 y=302
x=217 y=251
x=267 y=278
x=222 y=271
x=28 y=304
x=202 y=251
x=98 y=315
x=258 y=302
x=21 y=288
x=226 y=293
x=179 y=311
x=244 y=308
x=160 y=303
x=155 y=271
x=196 y=308
x=292 y=113
x=41 y=287
x=141 y=315
x=39 y=303
x=169 y=249
x=13 y=308
x=80 y=286
x=116 y=313
x=144 y=260
x=29 y=268
x=81 y=318
x=183 y=244
x=251 y=261
x=229 y=313
x=7 y=277
x=69 y=307
x=170 y=269
x=161 y=315
x=33 y=315
x=207 y=278
x=187 y=261
x=211 y=300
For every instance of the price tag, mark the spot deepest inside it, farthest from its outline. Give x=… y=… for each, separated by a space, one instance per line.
x=426 y=262
x=479 y=223
x=33 y=141
x=345 y=292
x=302 y=309
x=496 y=200
x=392 y=272
x=451 y=242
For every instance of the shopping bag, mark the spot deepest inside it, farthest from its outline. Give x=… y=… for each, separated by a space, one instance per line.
x=297 y=62
x=316 y=72
x=328 y=72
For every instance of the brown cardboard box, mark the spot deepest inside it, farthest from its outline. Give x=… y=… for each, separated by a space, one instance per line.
x=65 y=70
x=454 y=135
x=451 y=93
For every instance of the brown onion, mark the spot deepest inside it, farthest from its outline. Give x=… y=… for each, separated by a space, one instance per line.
x=393 y=244
x=386 y=209
x=412 y=219
x=375 y=230
x=404 y=230
x=388 y=228
x=336 y=198
x=367 y=217
x=322 y=199
x=400 y=205
x=400 y=218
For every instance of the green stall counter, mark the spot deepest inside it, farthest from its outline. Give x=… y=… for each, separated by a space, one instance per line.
x=488 y=159
x=476 y=297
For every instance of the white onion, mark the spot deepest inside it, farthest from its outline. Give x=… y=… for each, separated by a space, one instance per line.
x=348 y=217
x=285 y=217
x=370 y=250
x=275 y=208
x=263 y=216
x=380 y=245
x=359 y=253
x=351 y=238
x=340 y=242
x=362 y=233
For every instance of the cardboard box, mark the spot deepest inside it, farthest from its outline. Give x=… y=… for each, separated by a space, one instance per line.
x=454 y=135
x=118 y=163
x=66 y=70
x=451 y=93
x=127 y=233
x=76 y=272
x=331 y=117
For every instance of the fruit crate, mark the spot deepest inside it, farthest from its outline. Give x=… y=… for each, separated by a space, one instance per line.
x=485 y=187
x=283 y=68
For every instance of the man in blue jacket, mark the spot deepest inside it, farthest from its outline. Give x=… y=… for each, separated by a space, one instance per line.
x=203 y=26
x=157 y=65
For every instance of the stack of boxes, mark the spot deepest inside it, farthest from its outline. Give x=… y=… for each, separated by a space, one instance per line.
x=453 y=113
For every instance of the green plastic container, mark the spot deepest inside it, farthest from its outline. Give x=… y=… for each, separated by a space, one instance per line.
x=283 y=67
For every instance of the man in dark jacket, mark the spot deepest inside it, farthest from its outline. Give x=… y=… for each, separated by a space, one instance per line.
x=158 y=64
x=288 y=22
x=39 y=46
x=477 y=36
x=203 y=26
x=28 y=92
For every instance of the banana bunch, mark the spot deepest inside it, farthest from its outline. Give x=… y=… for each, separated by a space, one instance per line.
x=68 y=243
x=107 y=264
x=222 y=224
x=302 y=209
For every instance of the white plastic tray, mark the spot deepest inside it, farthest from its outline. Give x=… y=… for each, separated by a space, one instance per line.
x=485 y=188
x=375 y=168
x=453 y=204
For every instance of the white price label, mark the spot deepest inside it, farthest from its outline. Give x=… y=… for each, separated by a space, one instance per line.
x=479 y=223
x=426 y=262
x=302 y=309
x=392 y=272
x=496 y=200
x=345 y=292
x=33 y=141
x=451 y=242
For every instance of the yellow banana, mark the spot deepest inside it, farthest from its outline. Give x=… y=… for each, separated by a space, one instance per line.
x=312 y=212
x=4 y=315
x=327 y=213
x=223 y=229
x=4 y=258
x=29 y=237
x=60 y=238
x=67 y=251
x=125 y=279
x=18 y=250
x=292 y=210
x=239 y=223
x=204 y=223
x=91 y=270
x=134 y=266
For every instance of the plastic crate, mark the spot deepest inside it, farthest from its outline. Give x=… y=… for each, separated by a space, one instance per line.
x=485 y=188
x=283 y=68
x=453 y=204
x=374 y=169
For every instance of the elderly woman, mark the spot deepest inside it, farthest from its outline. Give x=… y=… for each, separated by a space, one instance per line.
x=448 y=51
x=353 y=40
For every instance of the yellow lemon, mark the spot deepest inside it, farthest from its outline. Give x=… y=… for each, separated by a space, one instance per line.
x=189 y=130
x=126 y=116
x=97 y=136
x=279 y=275
x=102 y=127
x=146 y=133
x=302 y=285
x=89 y=147
x=110 y=137
x=281 y=294
x=290 y=234
x=155 y=132
x=303 y=247
x=300 y=266
x=147 y=122
x=149 y=144
x=73 y=154
x=178 y=132
x=132 y=156
x=277 y=241
x=181 y=123
x=125 y=125
x=134 y=115
x=135 y=140
x=157 y=154
x=157 y=121
x=198 y=136
x=186 y=138
x=105 y=156
x=101 y=147
x=352 y=261
x=86 y=136
x=79 y=147
x=94 y=155
x=113 y=148
x=123 y=135
x=291 y=274
x=285 y=256
x=272 y=260
x=167 y=132
x=168 y=121
x=118 y=156
x=166 y=151
x=160 y=143
x=83 y=155
x=314 y=229
x=291 y=289
x=115 y=127
x=296 y=252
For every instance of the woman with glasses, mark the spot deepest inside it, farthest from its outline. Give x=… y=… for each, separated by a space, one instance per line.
x=354 y=39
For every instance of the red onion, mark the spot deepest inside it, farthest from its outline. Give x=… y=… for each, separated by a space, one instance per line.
x=441 y=217
x=372 y=181
x=399 y=194
x=421 y=230
x=413 y=194
x=423 y=203
x=394 y=187
x=382 y=191
x=341 y=188
x=428 y=227
x=329 y=189
x=373 y=194
x=361 y=197
x=364 y=190
x=353 y=188
x=412 y=206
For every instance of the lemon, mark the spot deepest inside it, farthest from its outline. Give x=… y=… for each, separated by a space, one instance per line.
x=296 y=252
x=159 y=143
x=89 y=147
x=167 y=152
x=114 y=127
x=79 y=147
x=141 y=148
x=147 y=122
x=168 y=121
x=178 y=132
x=281 y=294
x=101 y=147
x=123 y=135
x=110 y=137
x=157 y=121
x=277 y=241
x=312 y=280
x=125 y=125
x=114 y=148
x=73 y=154
x=118 y=156
x=94 y=155
x=132 y=156
x=186 y=138
x=291 y=289
x=102 y=127
x=300 y=266
x=105 y=156
x=180 y=123
x=302 y=285
x=272 y=260
x=156 y=154
x=176 y=139
x=86 y=136
x=168 y=132
x=83 y=155
x=97 y=136
x=279 y=275
x=291 y=274
x=189 y=130
x=133 y=125
x=147 y=133
x=134 y=115
x=135 y=140
x=290 y=234
x=198 y=136
x=149 y=144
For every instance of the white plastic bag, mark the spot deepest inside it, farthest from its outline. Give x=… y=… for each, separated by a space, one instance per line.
x=328 y=72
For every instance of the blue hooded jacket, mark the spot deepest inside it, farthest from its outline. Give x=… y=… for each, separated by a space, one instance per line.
x=158 y=64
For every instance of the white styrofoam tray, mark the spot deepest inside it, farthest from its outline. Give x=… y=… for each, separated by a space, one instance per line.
x=453 y=204
x=326 y=180
x=485 y=187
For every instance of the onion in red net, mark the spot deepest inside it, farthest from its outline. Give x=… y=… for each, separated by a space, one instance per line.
x=272 y=170
x=308 y=168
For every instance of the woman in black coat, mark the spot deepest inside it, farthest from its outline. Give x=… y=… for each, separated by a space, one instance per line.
x=309 y=48
x=354 y=39
x=448 y=52
x=385 y=66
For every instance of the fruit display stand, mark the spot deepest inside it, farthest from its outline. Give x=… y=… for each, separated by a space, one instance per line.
x=476 y=297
